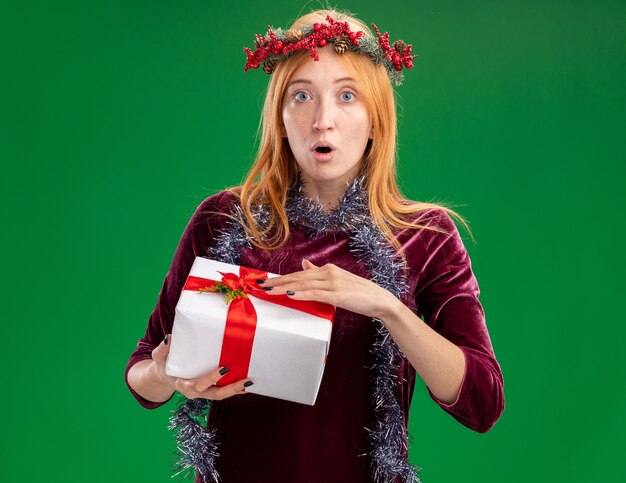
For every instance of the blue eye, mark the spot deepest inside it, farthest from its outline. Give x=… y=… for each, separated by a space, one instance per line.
x=297 y=96
x=343 y=96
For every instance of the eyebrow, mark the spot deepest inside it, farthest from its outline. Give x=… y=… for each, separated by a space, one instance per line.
x=304 y=81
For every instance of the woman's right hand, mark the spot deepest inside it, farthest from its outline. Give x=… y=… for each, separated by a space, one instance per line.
x=199 y=387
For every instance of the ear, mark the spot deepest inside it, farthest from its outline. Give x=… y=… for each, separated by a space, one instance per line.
x=283 y=131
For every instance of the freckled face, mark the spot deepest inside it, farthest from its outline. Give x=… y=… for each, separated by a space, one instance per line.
x=323 y=104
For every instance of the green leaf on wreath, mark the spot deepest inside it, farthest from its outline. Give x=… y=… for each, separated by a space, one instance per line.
x=230 y=293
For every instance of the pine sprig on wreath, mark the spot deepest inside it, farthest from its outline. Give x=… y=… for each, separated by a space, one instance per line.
x=230 y=293
x=278 y=44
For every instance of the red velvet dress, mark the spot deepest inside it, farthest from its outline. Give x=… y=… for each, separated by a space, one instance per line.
x=266 y=439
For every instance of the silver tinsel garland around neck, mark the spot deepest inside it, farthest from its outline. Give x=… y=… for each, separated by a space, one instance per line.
x=197 y=445
x=350 y=213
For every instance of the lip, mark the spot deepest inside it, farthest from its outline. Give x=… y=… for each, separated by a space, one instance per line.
x=323 y=156
x=326 y=144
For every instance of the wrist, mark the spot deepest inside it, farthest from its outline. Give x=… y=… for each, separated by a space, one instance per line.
x=160 y=381
x=155 y=373
x=390 y=309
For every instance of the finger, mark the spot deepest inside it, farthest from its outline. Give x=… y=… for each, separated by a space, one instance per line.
x=301 y=285
x=223 y=392
x=160 y=352
x=197 y=385
x=302 y=276
x=290 y=277
x=277 y=281
x=318 y=295
x=210 y=379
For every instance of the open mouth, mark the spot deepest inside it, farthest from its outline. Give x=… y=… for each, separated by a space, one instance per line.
x=323 y=149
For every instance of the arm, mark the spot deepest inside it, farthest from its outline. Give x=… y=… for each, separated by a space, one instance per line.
x=452 y=351
x=143 y=378
x=148 y=379
x=141 y=375
x=465 y=380
x=439 y=362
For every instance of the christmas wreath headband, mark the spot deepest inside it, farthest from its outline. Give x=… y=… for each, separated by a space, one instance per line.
x=278 y=44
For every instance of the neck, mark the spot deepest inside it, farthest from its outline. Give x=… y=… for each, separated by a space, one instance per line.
x=326 y=193
x=351 y=209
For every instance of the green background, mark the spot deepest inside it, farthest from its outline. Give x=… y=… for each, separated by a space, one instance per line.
x=120 y=117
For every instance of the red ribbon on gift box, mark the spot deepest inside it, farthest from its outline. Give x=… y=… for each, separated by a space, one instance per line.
x=241 y=319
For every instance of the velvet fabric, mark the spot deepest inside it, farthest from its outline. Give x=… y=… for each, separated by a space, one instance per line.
x=267 y=439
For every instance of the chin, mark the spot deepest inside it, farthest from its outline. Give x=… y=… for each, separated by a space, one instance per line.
x=330 y=173
x=328 y=176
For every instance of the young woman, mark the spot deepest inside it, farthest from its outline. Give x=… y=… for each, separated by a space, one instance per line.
x=322 y=208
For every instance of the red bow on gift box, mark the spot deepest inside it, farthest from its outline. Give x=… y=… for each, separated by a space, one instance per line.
x=241 y=319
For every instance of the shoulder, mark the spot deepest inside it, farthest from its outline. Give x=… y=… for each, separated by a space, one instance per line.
x=213 y=211
x=436 y=242
x=222 y=201
x=431 y=225
x=435 y=218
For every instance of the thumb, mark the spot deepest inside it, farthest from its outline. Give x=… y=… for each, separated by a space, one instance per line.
x=307 y=265
x=160 y=352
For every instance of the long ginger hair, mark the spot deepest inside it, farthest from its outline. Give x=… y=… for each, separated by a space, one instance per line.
x=275 y=169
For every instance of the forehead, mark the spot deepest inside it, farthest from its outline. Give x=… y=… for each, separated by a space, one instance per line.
x=329 y=69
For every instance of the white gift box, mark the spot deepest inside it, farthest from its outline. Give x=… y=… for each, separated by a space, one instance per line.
x=288 y=351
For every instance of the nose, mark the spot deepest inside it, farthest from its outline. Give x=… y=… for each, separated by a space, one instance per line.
x=324 y=119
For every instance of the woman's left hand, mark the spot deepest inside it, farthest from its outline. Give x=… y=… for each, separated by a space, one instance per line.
x=336 y=286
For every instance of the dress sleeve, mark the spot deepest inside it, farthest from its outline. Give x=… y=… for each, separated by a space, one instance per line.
x=448 y=299
x=193 y=242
